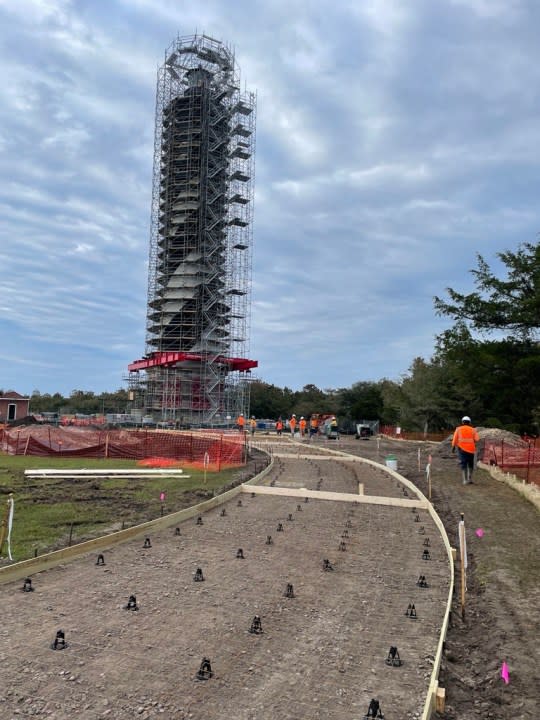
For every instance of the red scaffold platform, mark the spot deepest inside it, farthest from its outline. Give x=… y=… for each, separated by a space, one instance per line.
x=164 y=359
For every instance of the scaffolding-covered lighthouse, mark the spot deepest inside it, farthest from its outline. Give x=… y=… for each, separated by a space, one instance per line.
x=195 y=370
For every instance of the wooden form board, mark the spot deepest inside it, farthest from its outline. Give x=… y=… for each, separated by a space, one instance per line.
x=94 y=472
x=335 y=496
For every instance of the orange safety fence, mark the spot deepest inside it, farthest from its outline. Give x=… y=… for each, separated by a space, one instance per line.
x=213 y=449
x=521 y=457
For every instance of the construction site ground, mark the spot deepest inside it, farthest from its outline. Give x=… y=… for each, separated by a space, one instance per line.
x=322 y=652
x=502 y=617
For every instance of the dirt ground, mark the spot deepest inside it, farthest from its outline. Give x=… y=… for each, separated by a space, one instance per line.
x=502 y=619
x=322 y=652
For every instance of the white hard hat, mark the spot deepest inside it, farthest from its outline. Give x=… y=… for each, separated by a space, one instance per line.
x=302 y=417
x=465 y=418
x=293 y=415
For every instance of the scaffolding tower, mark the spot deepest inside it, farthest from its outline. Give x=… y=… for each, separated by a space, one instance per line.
x=195 y=369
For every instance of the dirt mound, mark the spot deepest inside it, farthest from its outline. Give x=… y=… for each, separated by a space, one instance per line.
x=498 y=435
x=495 y=435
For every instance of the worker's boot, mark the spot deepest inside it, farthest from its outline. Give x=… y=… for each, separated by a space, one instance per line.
x=469 y=475
x=464 y=477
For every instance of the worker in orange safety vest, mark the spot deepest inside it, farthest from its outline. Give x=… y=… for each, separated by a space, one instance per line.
x=279 y=426
x=302 y=425
x=240 y=422
x=313 y=425
x=292 y=425
x=252 y=424
x=465 y=439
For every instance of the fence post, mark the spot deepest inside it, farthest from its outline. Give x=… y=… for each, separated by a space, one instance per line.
x=528 y=463
x=502 y=454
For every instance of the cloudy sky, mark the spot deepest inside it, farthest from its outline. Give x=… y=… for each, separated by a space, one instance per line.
x=395 y=140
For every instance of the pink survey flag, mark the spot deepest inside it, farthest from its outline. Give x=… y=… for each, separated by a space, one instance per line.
x=162 y=497
x=480 y=532
x=504 y=673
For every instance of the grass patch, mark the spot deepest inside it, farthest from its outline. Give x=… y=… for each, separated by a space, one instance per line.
x=48 y=510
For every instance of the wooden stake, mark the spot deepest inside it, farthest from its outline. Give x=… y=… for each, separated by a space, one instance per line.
x=462 y=554
x=4 y=527
x=440 y=698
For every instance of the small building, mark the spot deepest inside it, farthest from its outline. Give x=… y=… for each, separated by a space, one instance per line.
x=13 y=406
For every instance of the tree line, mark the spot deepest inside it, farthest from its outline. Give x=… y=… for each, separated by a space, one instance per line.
x=486 y=365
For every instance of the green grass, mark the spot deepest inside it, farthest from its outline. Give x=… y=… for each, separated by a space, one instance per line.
x=48 y=510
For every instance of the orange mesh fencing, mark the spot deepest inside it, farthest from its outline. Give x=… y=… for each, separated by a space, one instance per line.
x=215 y=449
x=519 y=457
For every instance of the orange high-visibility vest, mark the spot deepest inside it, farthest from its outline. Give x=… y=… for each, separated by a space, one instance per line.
x=465 y=437
x=292 y=424
x=303 y=424
x=241 y=420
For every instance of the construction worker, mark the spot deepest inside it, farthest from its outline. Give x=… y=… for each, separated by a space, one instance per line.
x=252 y=424
x=292 y=425
x=241 y=422
x=279 y=426
x=302 y=425
x=313 y=425
x=465 y=439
